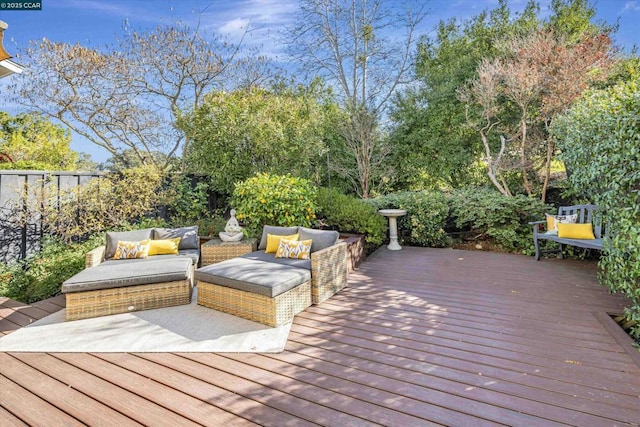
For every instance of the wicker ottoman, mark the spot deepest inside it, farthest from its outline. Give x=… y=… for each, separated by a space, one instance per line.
x=130 y=285
x=264 y=292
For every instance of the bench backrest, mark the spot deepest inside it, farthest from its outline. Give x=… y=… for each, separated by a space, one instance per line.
x=586 y=213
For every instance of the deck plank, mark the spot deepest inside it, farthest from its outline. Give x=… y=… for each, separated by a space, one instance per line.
x=186 y=406
x=10 y=420
x=272 y=397
x=419 y=337
x=60 y=395
x=129 y=404
x=199 y=388
x=326 y=393
x=30 y=408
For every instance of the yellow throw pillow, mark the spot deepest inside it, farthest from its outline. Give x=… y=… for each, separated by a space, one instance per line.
x=297 y=249
x=551 y=221
x=273 y=241
x=164 y=246
x=576 y=231
x=131 y=250
x=554 y=220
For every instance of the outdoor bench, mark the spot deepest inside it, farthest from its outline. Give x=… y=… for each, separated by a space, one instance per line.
x=584 y=214
x=111 y=286
x=271 y=290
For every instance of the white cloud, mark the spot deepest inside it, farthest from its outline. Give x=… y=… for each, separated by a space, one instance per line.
x=631 y=5
x=235 y=27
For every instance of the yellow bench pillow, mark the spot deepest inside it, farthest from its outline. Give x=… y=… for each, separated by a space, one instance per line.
x=273 y=241
x=576 y=231
x=164 y=246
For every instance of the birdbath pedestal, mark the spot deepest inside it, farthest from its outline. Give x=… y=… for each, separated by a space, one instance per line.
x=392 y=214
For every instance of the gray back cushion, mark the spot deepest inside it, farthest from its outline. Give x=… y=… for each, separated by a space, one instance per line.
x=278 y=231
x=189 y=236
x=320 y=239
x=124 y=236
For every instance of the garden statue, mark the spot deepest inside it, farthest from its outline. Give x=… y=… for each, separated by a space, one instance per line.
x=232 y=231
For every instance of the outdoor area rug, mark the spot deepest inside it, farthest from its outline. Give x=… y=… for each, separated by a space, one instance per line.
x=185 y=328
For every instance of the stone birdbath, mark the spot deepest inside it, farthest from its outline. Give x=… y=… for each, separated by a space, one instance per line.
x=392 y=214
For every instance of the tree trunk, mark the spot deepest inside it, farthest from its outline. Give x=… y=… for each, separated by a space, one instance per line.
x=547 y=168
x=523 y=153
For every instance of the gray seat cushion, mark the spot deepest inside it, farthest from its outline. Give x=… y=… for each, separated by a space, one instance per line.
x=278 y=231
x=262 y=256
x=259 y=277
x=125 y=236
x=320 y=239
x=188 y=236
x=121 y=273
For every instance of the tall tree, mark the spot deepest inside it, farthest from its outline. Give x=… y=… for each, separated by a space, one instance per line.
x=430 y=139
x=33 y=142
x=430 y=120
x=234 y=135
x=537 y=77
x=127 y=96
x=354 y=45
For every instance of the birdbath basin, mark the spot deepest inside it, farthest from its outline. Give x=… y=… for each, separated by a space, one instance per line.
x=392 y=214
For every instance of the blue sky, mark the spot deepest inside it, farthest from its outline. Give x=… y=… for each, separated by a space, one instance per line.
x=99 y=22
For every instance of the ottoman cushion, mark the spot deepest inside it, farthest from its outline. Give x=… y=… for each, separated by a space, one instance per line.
x=117 y=274
x=259 y=277
x=262 y=256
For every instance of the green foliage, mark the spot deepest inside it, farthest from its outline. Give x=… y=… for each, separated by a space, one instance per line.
x=33 y=142
x=41 y=275
x=27 y=165
x=351 y=215
x=234 y=135
x=433 y=147
x=102 y=204
x=600 y=141
x=187 y=203
x=426 y=216
x=487 y=214
x=274 y=200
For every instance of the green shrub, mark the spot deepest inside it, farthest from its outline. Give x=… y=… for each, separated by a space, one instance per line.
x=185 y=202
x=102 y=204
x=600 y=141
x=426 y=216
x=40 y=276
x=485 y=213
x=274 y=200
x=351 y=215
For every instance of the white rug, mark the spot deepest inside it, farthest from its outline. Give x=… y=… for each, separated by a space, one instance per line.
x=185 y=328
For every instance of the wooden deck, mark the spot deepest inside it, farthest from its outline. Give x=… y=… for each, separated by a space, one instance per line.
x=420 y=337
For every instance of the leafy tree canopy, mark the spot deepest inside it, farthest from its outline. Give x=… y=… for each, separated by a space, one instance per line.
x=434 y=147
x=234 y=135
x=30 y=141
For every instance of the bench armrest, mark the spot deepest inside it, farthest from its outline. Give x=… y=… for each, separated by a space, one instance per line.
x=328 y=271
x=95 y=257
x=536 y=229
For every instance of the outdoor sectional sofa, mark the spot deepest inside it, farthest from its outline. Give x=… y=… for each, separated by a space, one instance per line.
x=262 y=288
x=110 y=286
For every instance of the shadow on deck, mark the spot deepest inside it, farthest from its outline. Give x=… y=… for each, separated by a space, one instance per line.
x=420 y=337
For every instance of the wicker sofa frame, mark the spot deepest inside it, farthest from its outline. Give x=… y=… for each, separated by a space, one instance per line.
x=258 y=308
x=328 y=276
x=104 y=302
